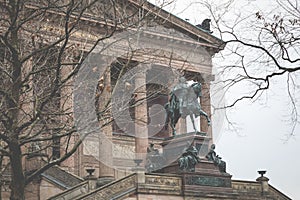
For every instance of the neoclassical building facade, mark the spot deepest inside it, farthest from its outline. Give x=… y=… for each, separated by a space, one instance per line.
x=118 y=97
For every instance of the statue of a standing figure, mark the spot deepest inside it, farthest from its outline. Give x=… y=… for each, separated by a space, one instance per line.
x=184 y=101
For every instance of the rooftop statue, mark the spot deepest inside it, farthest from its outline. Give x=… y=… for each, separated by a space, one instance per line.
x=205 y=25
x=183 y=102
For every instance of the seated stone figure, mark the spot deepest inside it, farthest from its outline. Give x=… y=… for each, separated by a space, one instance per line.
x=189 y=159
x=212 y=156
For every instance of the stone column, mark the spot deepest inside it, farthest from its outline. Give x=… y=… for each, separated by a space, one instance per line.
x=106 y=172
x=141 y=116
x=66 y=103
x=205 y=105
x=32 y=162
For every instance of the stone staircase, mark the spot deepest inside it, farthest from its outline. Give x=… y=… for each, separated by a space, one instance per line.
x=114 y=190
x=74 y=192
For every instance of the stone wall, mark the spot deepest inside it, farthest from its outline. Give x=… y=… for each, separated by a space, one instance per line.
x=48 y=190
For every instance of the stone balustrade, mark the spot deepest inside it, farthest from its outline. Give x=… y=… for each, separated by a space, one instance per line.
x=73 y=192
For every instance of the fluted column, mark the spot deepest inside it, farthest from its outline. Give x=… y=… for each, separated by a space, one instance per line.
x=67 y=107
x=206 y=107
x=105 y=139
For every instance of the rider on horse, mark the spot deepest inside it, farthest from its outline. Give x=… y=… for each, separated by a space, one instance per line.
x=181 y=91
x=184 y=102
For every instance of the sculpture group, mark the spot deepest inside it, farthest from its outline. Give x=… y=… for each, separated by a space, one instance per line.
x=183 y=102
x=190 y=158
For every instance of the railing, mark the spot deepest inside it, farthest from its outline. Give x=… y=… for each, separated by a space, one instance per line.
x=73 y=192
x=252 y=188
x=113 y=190
x=277 y=194
x=160 y=183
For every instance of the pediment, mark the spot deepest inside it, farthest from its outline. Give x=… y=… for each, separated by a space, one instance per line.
x=172 y=23
x=126 y=15
x=142 y=15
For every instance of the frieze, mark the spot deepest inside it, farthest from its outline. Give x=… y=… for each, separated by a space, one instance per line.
x=91 y=147
x=246 y=186
x=163 y=180
x=123 y=151
x=169 y=32
x=207 y=181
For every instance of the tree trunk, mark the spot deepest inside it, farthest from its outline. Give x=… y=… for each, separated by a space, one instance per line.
x=17 y=184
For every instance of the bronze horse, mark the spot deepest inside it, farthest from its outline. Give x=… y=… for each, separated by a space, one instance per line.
x=191 y=108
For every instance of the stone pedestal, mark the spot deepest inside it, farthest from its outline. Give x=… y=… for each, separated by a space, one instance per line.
x=174 y=147
x=207 y=177
x=207 y=174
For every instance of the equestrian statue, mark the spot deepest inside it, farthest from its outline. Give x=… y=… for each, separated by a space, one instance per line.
x=183 y=102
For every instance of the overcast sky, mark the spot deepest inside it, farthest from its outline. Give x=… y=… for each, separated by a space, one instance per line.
x=260 y=140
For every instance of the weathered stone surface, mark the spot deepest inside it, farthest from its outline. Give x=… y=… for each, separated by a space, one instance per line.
x=114 y=189
x=207 y=181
